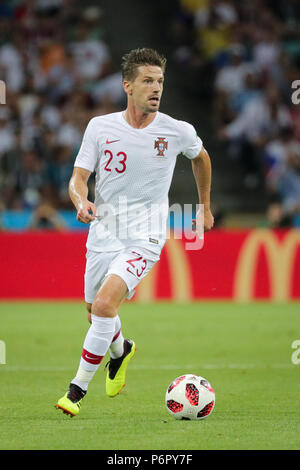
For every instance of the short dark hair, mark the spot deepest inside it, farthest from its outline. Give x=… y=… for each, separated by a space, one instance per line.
x=138 y=57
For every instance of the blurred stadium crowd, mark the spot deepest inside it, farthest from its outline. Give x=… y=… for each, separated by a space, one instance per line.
x=248 y=53
x=58 y=71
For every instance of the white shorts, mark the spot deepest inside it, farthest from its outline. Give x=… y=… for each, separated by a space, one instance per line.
x=131 y=264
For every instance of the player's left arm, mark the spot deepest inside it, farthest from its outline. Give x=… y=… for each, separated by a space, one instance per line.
x=201 y=166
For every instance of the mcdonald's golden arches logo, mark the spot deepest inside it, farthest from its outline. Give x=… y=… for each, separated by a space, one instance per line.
x=281 y=257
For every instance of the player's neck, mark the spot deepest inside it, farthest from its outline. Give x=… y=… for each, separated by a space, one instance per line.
x=138 y=118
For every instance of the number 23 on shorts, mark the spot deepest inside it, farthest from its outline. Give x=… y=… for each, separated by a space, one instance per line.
x=137 y=265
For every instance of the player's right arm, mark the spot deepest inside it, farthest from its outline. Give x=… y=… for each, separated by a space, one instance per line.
x=78 y=191
x=84 y=166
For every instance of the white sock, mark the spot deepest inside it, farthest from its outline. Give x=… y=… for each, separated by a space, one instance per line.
x=117 y=345
x=95 y=346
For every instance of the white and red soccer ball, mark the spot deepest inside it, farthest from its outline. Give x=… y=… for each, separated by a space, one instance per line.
x=190 y=397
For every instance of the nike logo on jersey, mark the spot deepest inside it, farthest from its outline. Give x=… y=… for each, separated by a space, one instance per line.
x=112 y=141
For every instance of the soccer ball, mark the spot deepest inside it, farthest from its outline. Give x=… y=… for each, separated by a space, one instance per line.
x=190 y=397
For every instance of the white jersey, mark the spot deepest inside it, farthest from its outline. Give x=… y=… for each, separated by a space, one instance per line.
x=134 y=169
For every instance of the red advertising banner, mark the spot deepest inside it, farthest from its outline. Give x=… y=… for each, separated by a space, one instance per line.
x=241 y=265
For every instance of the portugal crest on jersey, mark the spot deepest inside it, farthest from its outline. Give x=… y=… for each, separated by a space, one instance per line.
x=161 y=145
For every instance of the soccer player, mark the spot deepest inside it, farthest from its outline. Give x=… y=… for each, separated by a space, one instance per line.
x=133 y=154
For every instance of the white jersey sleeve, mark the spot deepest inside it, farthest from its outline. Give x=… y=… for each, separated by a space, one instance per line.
x=88 y=154
x=191 y=144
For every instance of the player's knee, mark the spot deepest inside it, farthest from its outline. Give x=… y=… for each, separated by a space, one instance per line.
x=103 y=307
x=89 y=309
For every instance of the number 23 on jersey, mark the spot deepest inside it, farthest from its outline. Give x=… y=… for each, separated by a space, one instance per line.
x=115 y=162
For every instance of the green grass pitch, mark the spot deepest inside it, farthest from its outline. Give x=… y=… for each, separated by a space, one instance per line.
x=243 y=350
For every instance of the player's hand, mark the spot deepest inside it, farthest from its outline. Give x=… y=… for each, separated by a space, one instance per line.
x=203 y=218
x=208 y=220
x=86 y=212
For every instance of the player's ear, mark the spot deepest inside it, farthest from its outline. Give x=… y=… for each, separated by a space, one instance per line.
x=127 y=85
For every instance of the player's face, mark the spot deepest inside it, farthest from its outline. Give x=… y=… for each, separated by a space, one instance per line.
x=146 y=89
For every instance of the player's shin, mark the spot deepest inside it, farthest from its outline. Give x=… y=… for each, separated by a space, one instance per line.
x=117 y=345
x=96 y=344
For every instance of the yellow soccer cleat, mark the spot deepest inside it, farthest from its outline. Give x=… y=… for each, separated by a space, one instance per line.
x=116 y=374
x=70 y=403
